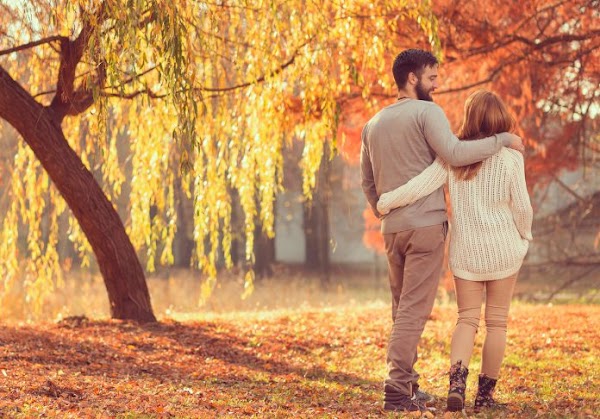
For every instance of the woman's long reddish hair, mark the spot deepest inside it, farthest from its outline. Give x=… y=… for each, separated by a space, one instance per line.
x=485 y=115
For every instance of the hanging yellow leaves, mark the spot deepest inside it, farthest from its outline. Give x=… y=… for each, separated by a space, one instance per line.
x=216 y=88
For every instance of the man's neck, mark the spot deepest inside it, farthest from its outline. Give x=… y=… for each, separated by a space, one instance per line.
x=406 y=94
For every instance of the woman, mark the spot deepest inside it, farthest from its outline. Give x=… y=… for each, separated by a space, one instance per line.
x=491 y=229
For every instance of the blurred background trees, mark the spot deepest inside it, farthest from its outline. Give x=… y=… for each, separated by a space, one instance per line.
x=215 y=89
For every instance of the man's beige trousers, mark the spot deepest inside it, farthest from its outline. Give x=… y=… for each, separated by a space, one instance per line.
x=415 y=261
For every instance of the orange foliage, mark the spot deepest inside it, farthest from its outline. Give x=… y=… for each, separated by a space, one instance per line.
x=372 y=237
x=352 y=120
x=559 y=153
x=542 y=57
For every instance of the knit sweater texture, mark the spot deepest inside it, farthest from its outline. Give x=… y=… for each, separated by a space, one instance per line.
x=398 y=143
x=491 y=214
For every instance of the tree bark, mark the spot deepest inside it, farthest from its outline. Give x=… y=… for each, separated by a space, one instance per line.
x=41 y=129
x=264 y=253
x=317 y=224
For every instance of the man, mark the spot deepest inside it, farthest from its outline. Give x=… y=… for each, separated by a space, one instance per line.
x=398 y=143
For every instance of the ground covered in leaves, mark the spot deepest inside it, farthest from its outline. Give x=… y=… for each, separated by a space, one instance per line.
x=302 y=363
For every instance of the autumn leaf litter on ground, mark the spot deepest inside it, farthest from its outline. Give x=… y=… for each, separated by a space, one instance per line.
x=302 y=363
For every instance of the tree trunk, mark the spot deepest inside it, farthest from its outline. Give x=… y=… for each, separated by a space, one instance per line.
x=264 y=253
x=183 y=245
x=316 y=224
x=316 y=232
x=123 y=275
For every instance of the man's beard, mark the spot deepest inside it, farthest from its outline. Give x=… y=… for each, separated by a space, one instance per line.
x=422 y=94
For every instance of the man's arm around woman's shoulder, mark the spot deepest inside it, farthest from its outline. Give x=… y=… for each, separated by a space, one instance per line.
x=455 y=152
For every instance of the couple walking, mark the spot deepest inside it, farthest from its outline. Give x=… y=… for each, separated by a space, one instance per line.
x=408 y=152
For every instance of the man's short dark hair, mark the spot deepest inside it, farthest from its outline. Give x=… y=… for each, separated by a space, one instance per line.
x=411 y=61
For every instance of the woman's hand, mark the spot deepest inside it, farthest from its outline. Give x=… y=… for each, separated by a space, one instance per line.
x=383 y=205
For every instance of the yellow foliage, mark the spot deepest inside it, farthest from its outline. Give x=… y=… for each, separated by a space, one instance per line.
x=204 y=85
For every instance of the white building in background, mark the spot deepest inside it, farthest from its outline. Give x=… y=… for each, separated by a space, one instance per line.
x=289 y=235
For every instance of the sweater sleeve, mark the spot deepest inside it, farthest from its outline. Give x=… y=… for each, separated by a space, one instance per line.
x=426 y=182
x=521 y=205
x=453 y=151
x=367 y=176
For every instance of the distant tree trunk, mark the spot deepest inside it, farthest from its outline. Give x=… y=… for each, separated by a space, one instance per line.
x=41 y=129
x=264 y=253
x=237 y=230
x=183 y=245
x=316 y=224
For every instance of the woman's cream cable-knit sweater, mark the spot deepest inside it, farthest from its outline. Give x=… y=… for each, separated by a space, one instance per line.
x=491 y=214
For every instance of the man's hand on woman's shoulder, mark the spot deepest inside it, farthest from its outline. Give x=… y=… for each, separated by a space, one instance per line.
x=513 y=141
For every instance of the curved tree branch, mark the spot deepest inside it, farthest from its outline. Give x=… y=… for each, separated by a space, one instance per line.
x=250 y=83
x=535 y=45
x=67 y=100
x=571 y=281
x=491 y=77
x=147 y=91
x=32 y=44
x=155 y=95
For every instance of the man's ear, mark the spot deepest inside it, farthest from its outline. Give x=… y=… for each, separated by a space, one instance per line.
x=412 y=78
